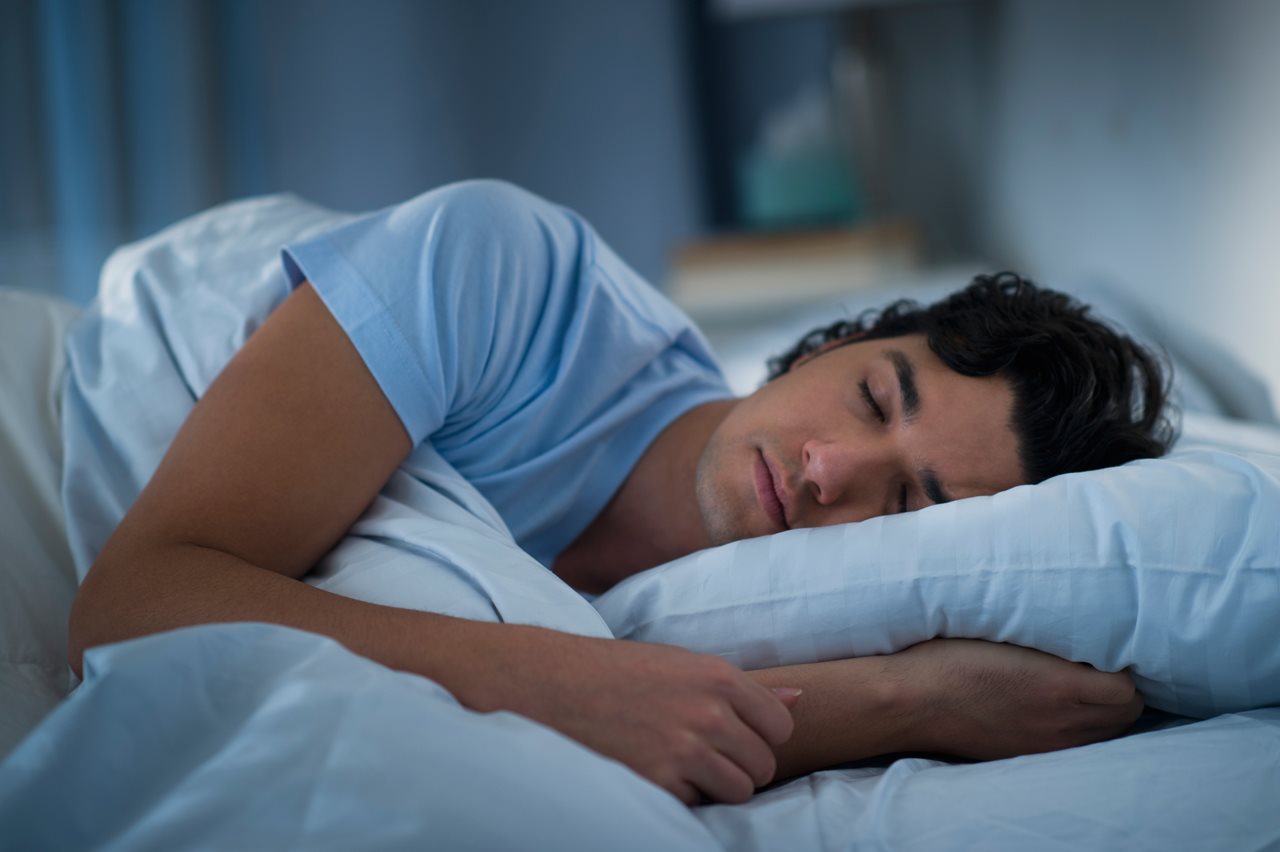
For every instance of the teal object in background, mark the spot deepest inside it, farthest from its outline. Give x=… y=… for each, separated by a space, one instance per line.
x=798 y=188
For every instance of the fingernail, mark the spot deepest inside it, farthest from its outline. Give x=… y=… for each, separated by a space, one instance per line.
x=787 y=691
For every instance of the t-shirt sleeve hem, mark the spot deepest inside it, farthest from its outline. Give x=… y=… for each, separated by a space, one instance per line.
x=368 y=326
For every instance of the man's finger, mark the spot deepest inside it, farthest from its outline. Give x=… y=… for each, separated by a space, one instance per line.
x=763 y=711
x=720 y=779
x=686 y=793
x=744 y=747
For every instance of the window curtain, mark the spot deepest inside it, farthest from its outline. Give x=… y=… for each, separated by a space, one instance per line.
x=120 y=117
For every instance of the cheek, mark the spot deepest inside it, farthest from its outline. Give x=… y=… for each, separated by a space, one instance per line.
x=786 y=408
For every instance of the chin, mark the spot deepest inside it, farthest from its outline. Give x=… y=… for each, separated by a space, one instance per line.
x=722 y=534
x=723 y=518
x=726 y=503
x=715 y=508
x=715 y=520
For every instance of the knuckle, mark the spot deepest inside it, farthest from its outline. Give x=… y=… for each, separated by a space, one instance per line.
x=719 y=673
x=686 y=747
x=711 y=717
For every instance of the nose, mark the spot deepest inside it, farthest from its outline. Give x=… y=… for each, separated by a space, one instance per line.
x=845 y=476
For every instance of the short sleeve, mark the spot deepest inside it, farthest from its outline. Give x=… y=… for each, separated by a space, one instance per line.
x=441 y=293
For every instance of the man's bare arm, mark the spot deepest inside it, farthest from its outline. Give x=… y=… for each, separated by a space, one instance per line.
x=959 y=697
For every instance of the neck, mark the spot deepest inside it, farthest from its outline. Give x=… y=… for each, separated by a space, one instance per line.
x=653 y=517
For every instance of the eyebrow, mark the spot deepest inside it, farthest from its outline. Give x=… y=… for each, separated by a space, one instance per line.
x=906 y=383
x=910 y=394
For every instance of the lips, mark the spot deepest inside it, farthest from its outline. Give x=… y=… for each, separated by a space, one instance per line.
x=767 y=493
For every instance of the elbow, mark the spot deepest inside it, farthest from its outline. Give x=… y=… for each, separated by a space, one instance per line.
x=86 y=625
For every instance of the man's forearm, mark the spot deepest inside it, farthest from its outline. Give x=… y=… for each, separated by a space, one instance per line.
x=850 y=709
x=185 y=585
x=691 y=723
x=962 y=697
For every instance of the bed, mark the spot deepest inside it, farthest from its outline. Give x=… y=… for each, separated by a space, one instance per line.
x=253 y=736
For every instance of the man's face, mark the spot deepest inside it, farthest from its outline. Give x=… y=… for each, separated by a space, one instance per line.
x=871 y=428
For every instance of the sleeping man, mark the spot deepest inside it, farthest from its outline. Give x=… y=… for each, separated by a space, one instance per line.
x=495 y=328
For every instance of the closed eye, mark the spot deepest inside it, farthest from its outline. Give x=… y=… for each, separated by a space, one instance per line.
x=871 y=400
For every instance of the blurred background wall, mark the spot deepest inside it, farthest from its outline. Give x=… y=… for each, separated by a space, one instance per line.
x=124 y=115
x=1133 y=140
x=1140 y=141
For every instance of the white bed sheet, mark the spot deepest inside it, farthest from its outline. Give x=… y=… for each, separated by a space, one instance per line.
x=258 y=737
x=1209 y=785
x=253 y=736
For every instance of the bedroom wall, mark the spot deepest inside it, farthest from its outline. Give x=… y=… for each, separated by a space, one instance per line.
x=1136 y=141
x=1140 y=141
x=583 y=101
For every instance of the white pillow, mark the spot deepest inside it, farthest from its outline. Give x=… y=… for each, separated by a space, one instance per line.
x=37 y=578
x=1170 y=566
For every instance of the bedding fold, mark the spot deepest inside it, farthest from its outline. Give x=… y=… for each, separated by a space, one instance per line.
x=255 y=736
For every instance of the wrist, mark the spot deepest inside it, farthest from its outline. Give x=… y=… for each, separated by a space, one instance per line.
x=486 y=672
x=910 y=703
x=519 y=668
x=478 y=662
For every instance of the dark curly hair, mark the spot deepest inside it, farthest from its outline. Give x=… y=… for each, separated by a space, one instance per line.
x=1085 y=395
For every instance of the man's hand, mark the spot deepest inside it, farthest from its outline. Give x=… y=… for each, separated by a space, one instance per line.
x=987 y=700
x=692 y=724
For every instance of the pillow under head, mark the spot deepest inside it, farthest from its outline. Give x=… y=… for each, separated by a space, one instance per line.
x=1170 y=567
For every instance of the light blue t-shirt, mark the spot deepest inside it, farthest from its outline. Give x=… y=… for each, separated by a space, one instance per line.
x=507 y=333
x=502 y=329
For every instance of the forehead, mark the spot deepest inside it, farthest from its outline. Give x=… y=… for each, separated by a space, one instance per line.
x=962 y=426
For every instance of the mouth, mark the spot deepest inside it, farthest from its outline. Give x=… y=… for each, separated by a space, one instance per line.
x=767 y=493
